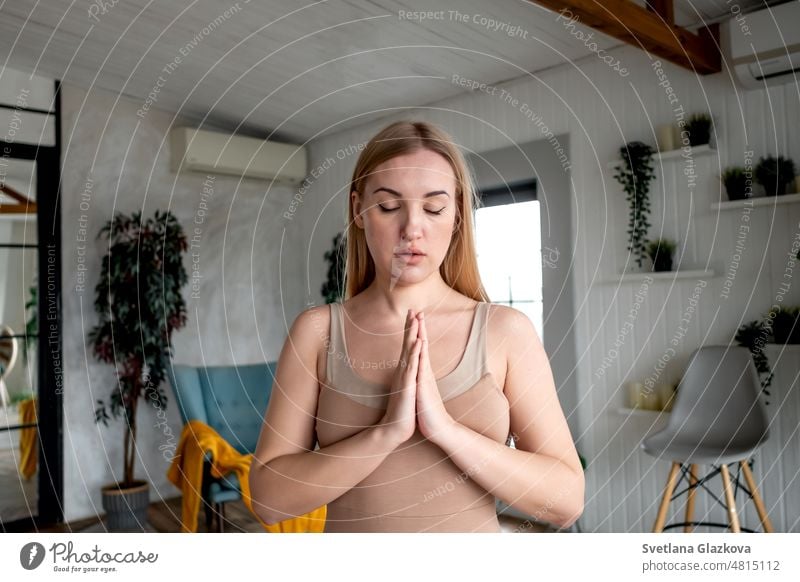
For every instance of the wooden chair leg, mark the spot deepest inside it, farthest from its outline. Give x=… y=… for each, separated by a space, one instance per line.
x=690 y=501
x=760 y=508
x=668 y=490
x=733 y=517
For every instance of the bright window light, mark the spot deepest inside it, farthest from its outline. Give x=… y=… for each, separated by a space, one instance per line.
x=509 y=246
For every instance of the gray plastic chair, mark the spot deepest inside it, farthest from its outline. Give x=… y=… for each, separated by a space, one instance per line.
x=717 y=419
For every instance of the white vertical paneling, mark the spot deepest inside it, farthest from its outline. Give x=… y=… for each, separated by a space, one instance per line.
x=791 y=450
x=792 y=118
x=778 y=139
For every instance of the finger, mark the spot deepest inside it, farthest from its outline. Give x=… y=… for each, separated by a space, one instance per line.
x=423 y=333
x=414 y=357
x=424 y=360
x=412 y=324
x=413 y=331
x=410 y=332
x=410 y=366
x=424 y=364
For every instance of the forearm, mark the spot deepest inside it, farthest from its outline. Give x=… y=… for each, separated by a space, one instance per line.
x=292 y=485
x=536 y=484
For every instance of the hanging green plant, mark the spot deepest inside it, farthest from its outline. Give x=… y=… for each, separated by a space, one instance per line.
x=635 y=175
x=754 y=336
x=333 y=288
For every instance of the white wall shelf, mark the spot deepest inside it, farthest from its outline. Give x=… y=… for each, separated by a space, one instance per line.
x=783 y=349
x=624 y=411
x=662 y=275
x=757 y=201
x=695 y=152
x=17 y=217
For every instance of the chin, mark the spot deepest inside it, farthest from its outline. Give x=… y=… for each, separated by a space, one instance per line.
x=406 y=276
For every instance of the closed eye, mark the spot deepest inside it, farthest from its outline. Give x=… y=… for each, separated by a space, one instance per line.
x=384 y=209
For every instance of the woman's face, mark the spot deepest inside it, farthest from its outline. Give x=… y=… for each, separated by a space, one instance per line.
x=408 y=212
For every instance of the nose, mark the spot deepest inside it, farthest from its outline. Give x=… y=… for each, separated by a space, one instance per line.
x=412 y=227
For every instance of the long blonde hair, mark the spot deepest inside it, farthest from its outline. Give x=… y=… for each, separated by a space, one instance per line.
x=460 y=267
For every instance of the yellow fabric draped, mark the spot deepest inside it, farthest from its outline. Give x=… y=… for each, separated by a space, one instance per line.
x=28 y=451
x=186 y=473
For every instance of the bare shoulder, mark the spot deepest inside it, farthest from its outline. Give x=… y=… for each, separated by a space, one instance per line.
x=313 y=323
x=510 y=323
x=310 y=332
x=511 y=337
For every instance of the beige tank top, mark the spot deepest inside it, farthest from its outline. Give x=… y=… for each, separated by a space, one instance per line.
x=417 y=488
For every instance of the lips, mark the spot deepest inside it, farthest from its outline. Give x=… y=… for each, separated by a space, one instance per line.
x=409 y=253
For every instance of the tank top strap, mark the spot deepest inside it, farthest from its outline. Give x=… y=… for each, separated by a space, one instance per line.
x=337 y=355
x=341 y=377
x=475 y=362
x=333 y=345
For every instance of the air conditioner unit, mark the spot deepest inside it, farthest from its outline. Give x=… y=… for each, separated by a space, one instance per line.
x=197 y=150
x=763 y=47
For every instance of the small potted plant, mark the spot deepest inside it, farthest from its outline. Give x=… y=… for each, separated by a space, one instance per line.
x=139 y=303
x=699 y=129
x=785 y=325
x=774 y=174
x=660 y=252
x=736 y=183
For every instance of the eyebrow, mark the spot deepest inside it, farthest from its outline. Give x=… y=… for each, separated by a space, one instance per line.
x=396 y=193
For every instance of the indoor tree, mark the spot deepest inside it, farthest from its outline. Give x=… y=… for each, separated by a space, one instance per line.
x=139 y=304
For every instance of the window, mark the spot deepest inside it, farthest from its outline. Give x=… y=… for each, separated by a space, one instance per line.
x=509 y=246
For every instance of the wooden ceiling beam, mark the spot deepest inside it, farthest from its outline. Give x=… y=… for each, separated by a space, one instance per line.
x=663 y=8
x=645 y=29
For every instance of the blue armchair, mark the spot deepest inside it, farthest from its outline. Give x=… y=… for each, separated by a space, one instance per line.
x=231 y=400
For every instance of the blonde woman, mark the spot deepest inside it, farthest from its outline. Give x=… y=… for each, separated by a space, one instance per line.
x=395 y=407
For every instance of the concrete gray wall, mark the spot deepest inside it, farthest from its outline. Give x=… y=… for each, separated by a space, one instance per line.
x=115 y=161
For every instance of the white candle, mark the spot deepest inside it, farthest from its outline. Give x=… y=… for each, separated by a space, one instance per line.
x=665 y=135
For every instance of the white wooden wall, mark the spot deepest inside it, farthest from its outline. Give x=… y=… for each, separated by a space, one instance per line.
x=601 y=111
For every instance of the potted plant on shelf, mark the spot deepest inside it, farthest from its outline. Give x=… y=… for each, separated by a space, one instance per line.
x=635 y=174
x=699 y=129
x=660 y=252
x=736 y=183
x=785 y=324
x=139 y=304
x=774 y=174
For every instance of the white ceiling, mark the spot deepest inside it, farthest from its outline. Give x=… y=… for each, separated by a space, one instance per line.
x=286 y=69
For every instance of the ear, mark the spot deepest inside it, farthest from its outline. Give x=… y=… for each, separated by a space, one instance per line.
x=355 y=200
